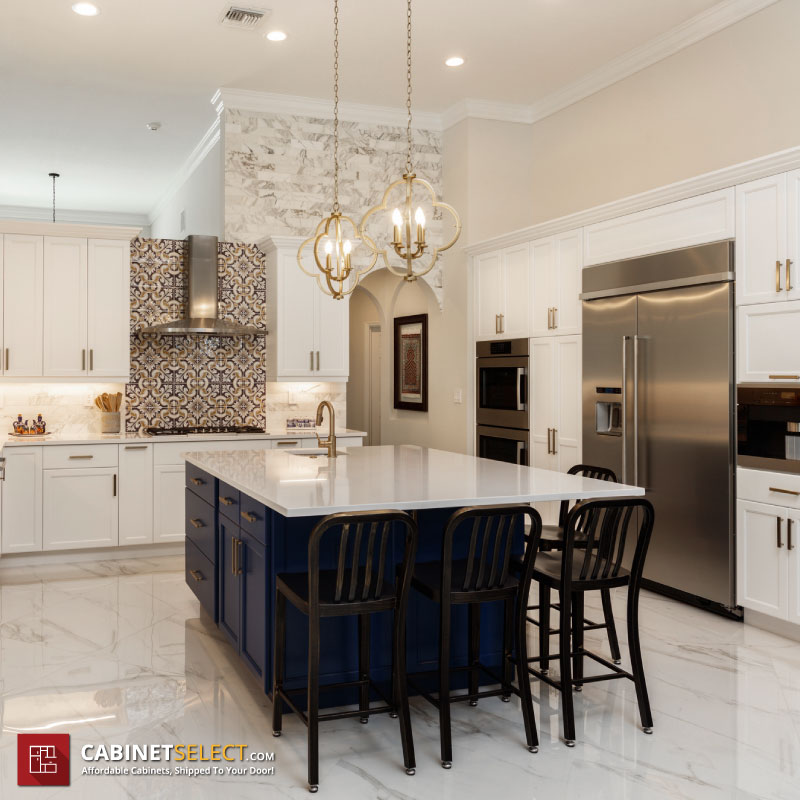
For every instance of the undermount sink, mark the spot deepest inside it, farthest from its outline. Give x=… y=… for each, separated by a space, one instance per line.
x=309 y=452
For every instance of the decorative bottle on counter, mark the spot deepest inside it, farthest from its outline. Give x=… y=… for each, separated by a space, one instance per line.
x=41 y=425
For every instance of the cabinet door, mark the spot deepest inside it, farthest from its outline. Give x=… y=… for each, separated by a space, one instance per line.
x=332 y=346
x=791 y=272
x=23 y=267
x=761 y=565
x=793 y=559
x=169 y=513
x=80 y=508
x=543 y=256
x=489 y=293
x=516 y=311
x=568 y=435
x=542 y=393
x=768 y=334
x=108 y=316
x=567 y=280
x=135 y=494
x=761 y=240
x=255 y=613
x=64 y=349
x=22 y=500
x=229 y=583
x=295 y=318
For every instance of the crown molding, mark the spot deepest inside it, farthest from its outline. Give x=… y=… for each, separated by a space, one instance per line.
x=471 y=108
x=762 y=167
x=271 y=244
x=270 y=103
x=83 y=224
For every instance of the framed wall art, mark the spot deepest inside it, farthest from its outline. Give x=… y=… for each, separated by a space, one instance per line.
x=411 y=362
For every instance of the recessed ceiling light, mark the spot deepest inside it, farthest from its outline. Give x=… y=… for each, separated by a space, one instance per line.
x=153 y=126
x=454 y=61
x=276 y=36
x=86 y=9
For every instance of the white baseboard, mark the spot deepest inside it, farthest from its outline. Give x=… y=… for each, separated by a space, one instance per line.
x=777 y=626
x=96 y=554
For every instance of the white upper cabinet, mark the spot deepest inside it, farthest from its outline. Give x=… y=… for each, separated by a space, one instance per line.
x=761 y=240
x=309 y=336
x=768 y=336
x=791 y=269
x=23 y=268
x=503 y=293
x=64 y=353
x=557 y=262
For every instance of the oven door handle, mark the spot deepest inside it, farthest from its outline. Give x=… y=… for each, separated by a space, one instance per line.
x=522 y=389
x=521 y=453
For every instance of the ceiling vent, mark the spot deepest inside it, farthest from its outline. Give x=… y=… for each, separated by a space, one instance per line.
x=244 y=19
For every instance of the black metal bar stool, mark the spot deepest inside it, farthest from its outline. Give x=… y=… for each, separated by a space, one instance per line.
x=483 y=576
x=606 y=525
x=553 y=539
x=357 y=587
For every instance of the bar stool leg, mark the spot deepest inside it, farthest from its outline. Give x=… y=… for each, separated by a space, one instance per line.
x=544 y=628
x=637 y=666
x=508 y=644
x=363 y=664
x=566 y=670
x=474 y=650
x=523 y=678
x=444 y=685
x=400 y=694
x=312 y=712
x=279 y=663
x=577 y=639
x=611 y=627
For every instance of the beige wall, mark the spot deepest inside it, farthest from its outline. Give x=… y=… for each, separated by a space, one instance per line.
x=727 y=99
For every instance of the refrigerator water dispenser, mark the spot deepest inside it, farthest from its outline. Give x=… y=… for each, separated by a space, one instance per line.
x=608 y=418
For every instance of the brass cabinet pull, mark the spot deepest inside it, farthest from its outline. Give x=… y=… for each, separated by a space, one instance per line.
x=6 y=358
x=784 y=491
x=114 y=486
x=779 y=528
x=226 y=501
x=233 y=556
x=788 y=274
x=198 y=482
x=555 y=433
x=91 y=359
x=79 y=457
x=502 y=323
x=311 y=360
x=789 y=545
x=198 y=523
x=497 y=323
x=83 y=359
x=784 y=377
x=549 y=318
x=286 y=444
x=239 y=569
x=555 y=317
x=136 y=447
x=249 y=517
x=549 y=450
x=317 y=360
x=196 y=574
x=777 y=276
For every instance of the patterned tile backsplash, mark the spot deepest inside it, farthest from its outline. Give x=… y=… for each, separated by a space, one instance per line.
x=198 y=380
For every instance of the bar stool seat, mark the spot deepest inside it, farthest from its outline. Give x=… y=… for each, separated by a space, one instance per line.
x=427 y=579
x=295 y=586
x=548 y=572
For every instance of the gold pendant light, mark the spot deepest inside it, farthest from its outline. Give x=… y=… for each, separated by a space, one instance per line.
x=337 y=236
x=408 y=254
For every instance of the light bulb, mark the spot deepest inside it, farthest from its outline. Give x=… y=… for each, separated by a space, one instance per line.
x=419 y=216
x=328 y=247
x=397 y=217
x=347 y=247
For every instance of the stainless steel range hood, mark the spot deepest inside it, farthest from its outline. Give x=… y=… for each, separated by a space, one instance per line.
x=203 y=309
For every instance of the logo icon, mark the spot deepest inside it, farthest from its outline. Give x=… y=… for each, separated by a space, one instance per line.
x=43 y=759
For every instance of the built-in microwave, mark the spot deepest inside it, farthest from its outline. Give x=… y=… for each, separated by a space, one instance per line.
x=503 y=444
x=768 y=428
x=502 y=383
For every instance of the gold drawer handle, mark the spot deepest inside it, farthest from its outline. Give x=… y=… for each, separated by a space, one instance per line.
x=198 y=523
x=198 y=482
x=249 y=517
x=78 y=457
x=784 y=491
x=226 y=501
x=784 y=377
x=136 y=447
x=196 y=574
x=286 y=444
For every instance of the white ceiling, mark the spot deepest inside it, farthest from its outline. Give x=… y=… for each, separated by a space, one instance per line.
x=77 y=92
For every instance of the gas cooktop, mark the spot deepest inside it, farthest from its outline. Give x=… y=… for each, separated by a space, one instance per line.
x=187 y=430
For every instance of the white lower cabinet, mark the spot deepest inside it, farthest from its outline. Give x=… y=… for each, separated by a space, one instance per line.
x=135 y=494
x=80 y=508
x=169 y=516
x=22 y=500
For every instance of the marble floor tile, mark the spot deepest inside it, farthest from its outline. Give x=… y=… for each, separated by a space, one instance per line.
x=118 y=653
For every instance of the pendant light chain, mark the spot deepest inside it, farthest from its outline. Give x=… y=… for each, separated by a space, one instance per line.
x=336 y=107
x=409 y=166
x=54 y=175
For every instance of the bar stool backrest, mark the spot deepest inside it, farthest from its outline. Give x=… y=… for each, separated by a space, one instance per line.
x=362 y=542
x=607 y=525
x=586 y=471
x=491 y=531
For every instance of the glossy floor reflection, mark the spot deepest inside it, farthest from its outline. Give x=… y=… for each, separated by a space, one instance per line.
x=119 y=653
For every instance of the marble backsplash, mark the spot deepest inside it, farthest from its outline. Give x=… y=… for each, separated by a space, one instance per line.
x=290 y=400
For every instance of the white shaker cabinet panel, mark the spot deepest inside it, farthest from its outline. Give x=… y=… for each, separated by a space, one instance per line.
x=65 y=352
x=762 y=570
x=567 y=302
x=80 y=508
x=791 y=267
x=517 y=291
x=108 y=301
x=567 y=438
x=768 y=336
x=169 y=503
x=23 y=277
x=296 y=341
x=761 y=240
x=542 y=393
x=489 y=292
x=793 y=558
x=135 y=494
x=543 y=266
x=22 y=500
x=332 y=345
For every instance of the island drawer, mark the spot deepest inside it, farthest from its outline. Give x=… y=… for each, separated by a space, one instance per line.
x=200 y=525
x=200 y=482
x=762 y=486
x=79 y=456
x=253 y=518
x=228 y=501
x=200 y=579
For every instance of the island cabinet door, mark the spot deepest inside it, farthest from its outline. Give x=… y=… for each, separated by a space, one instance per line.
x=256 y=610
x=229 y=583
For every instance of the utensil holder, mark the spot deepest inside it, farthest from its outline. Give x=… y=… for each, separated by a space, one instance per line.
x=109 y=422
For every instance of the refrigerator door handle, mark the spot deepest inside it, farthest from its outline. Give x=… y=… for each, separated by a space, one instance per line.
x=624 y=401
x=636 y=410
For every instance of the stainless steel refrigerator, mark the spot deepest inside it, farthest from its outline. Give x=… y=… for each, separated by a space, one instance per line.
x=658 y=407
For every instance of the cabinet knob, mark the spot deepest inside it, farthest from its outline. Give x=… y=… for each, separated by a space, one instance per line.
x=198 y=482
x=226 y=501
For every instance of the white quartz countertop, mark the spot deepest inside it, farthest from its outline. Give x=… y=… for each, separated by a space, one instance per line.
x=389 y=476
x=123 y=438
